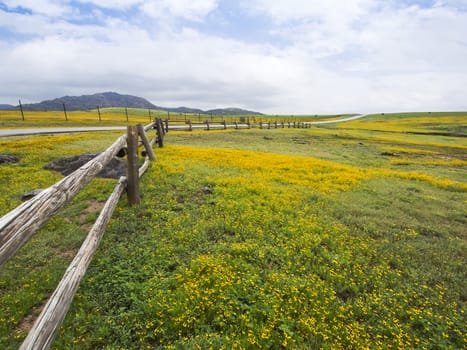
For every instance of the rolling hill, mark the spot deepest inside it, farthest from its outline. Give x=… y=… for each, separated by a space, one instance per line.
x=113 y=99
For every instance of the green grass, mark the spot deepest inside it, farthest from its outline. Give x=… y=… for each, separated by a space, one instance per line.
x=306 y=238
x=117 y=116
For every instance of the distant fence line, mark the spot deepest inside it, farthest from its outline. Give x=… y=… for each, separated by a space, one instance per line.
x=126 y=113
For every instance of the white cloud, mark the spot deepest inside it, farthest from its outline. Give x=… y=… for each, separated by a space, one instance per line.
x=366 y=55
x=112 y=4
x=45 y=7
x=194 y=10
x=322 y=11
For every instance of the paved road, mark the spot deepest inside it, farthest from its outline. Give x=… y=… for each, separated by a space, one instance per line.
x=37 y=131
x=338 y=120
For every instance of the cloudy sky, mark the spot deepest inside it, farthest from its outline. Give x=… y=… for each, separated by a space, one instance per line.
x=273 y=56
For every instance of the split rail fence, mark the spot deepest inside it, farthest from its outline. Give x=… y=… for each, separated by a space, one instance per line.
x=20 y=224
x=190 y=125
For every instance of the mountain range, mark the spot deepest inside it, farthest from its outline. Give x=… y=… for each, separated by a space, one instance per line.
x=113 y=99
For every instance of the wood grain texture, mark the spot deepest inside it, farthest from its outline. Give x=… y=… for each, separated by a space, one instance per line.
x=19 y=225
x=132 y=168
x=146 y=143
x=48 y=323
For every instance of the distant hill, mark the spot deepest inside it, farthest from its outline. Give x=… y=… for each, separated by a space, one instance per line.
x=6 y=107
x=113 y=99
x=182 y=110
x=85 y=102
x=231 y=111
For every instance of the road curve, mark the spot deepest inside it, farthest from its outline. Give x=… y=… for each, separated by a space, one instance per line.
x=38 y=131
x=338 y=120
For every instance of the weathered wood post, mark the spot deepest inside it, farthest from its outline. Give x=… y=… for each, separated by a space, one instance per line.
x=132 y=168
x=99 y=113
x=260 y=125
x=190 y=125
x=160 y=132
x=21 y=109
x=64 y=111
x=146 y=143
x=236 y=125
x=166 y=126
x=269 y=125
x=207 y=125
x=126 y=113
x=225 y=124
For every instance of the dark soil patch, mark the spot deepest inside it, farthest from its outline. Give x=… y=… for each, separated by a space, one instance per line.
x=8 y=159
x=114 y=170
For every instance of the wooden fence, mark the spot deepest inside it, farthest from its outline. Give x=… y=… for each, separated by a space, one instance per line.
x=19 y=225
x=189 y=125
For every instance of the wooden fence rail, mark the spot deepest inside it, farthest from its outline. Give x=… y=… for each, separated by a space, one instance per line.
x=48 y=323
x=19 y=225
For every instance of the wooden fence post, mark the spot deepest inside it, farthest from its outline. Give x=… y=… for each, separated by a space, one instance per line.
x=160 y=132
x=207 y=125
x=225 y=124
x=166 y=126
x=146 y=143
x=64 y=111
x=190 y=128
x=21 y=108
x=236 y=125
x=132 y=168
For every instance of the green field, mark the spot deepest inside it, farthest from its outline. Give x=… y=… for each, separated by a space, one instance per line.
x=344 y=236
x=117 y=116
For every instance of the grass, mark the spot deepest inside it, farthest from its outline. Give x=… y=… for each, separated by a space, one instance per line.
x=117 y=116
x=295 y=238
x=445 y=123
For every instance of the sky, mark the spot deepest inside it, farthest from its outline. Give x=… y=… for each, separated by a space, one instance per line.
x=271 y=56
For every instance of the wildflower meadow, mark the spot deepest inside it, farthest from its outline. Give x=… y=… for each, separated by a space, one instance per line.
x=321 y=238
